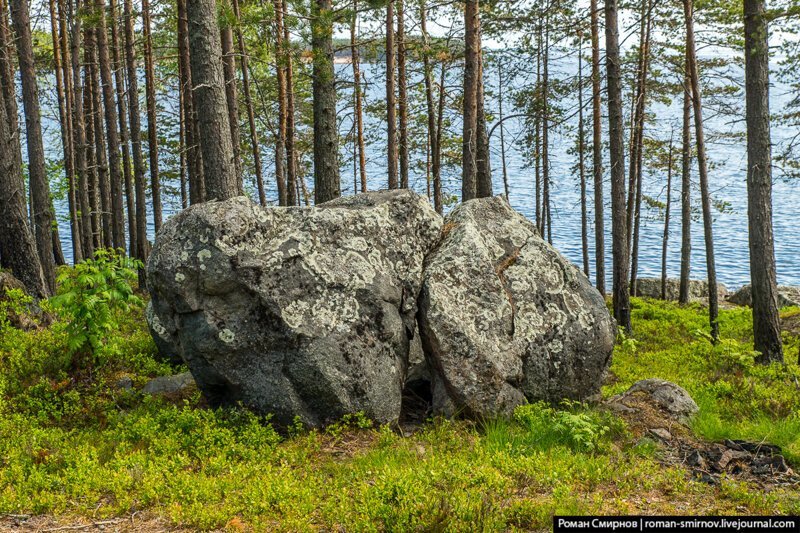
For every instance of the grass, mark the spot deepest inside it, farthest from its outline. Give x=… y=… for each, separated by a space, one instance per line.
x=73 y=445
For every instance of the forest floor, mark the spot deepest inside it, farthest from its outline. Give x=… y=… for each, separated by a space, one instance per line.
x=78 y=451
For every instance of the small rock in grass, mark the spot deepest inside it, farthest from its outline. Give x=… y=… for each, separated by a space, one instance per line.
x=169 y=385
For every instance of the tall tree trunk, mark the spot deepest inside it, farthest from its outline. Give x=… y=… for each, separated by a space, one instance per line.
x=67 y=133
x=197 y=187
x=547 y=225
x=402 y=94
x=292 y=196
x=79 y=131
x=8 y=79
x=326 y=151
x=358 y=97
x=124 y=135
x=92 y=164
x=39 y=186
x=597 y=157
x=622 y=311
x=17 y=246
x=391 y=103
x=537 y=136
x=103 y=189
x=502 y=127
x=152 y=134
x=433 y=137
x=216 y=145
x=581 y=163
x=248 y=99
x=665 y=239
x=705 y=195
x=229 y=72
x=472 y=52
x=686 y=187
x=436 y=156
x=483 y=179
x=58 y=252
x=182 y=149
x=766 y=321
x=280 y=145
x=142 y=244
x=637 y=149
x=112 y=137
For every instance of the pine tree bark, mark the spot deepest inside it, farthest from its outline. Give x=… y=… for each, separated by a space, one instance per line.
x=581 y=163
x=112 y=137
x=122 y=115
x=8 y=79
x=208 y=90
x=619 y=230
x=597 y=157
x=546 y=220
x=436 y=155
x=248 y=99
x=79 y=132
x=766 y=320
x=326 y=135
x=358 y=99
x=197 y=193
x=469 y=156
x=502 y=128
x=483 y=179
x=292 y=195
x=142 y=244
x=43 y=220
x=231 y=95
x=92 y=164
x=152 y=134
x=686 y=187
x=68 y=135
x=103 y=189
x=702 y=166
x=17 y=246
x=280 y=143
x=402 y=94
x=637 y=151
x=391 y=103
x=665 y=239
x=61 y=97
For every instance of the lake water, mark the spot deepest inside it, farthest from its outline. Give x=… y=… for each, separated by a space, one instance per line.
x=727 y=181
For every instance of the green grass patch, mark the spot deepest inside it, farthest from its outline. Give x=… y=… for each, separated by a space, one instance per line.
x=72 y=443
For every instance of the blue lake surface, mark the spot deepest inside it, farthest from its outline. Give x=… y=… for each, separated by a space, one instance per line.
x=727 y=182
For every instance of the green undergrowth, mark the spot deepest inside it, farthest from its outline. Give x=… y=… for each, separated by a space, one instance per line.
x=74 y=443
x=737 y=397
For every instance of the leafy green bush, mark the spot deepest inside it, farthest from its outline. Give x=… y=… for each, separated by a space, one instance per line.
x=89 y=294
x=574 y=426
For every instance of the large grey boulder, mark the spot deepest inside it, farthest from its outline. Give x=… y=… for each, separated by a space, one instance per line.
x=303 y=312
x=787 y=296
x=504 y=318
x=698 y=289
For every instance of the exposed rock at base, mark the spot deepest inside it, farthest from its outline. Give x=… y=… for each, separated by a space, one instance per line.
x=303 y=312
x=787 y=296
x=698 y=289
x=505 y=319
x=671 y=399
x=169 y=385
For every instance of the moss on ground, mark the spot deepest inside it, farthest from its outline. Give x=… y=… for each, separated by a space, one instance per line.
x=73 y=444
